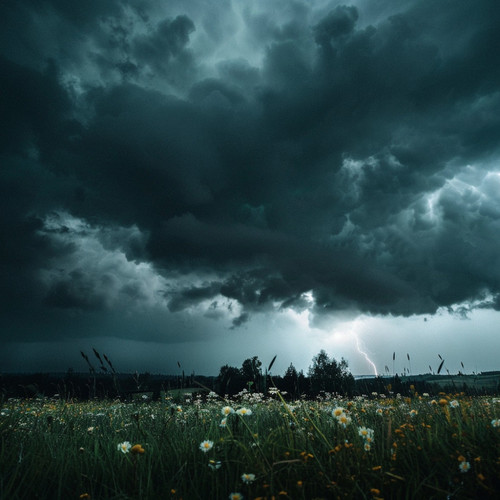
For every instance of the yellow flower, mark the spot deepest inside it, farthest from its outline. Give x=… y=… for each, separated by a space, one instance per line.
x=374 y=491
x=443 y=402
x=137 y=449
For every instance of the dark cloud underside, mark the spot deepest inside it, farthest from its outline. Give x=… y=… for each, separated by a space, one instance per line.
x=339 y=152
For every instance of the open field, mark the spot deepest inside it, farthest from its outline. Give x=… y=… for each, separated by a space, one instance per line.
x=253 y=446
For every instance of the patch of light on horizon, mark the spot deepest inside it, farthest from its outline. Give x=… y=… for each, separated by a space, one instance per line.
x=301 y=318
x=350 y=330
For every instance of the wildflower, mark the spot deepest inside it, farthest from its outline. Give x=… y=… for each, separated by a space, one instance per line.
x=84 y=495
x=495 y=422
x=223 y=422
x=344 y=419
x=235 y=496
x=137 y=449
x=367 y=447
x=454 y=403
x=443 y=402
x=124 y=447
x=214 y=465
x=464 y=466
x=337 y=412
x=374 y=491
x=413 y=413
x=90 y=430
x=206 y=446
x=244 y=411
x=380 y=412
x=227 y=410
x=481 y=477
x=365 y=433
x=248 y=478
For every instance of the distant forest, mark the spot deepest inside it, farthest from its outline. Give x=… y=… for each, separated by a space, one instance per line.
x=325 y=376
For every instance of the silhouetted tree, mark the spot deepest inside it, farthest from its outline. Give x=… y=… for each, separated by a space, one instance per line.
x=290 y=381
x=328 y=375
x=251 y=372
x=229 y=381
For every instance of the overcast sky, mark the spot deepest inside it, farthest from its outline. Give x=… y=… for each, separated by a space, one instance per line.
x=202 y=181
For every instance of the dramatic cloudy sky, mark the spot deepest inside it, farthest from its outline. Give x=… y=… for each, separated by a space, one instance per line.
x=204 y=181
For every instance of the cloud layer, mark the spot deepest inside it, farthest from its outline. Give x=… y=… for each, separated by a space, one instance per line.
x=199 y=161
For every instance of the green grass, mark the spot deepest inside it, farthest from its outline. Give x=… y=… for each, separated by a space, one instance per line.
x=53 y=449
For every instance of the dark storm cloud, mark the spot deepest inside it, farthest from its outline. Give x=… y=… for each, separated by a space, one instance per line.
x=168 y=40
x=193 y=295
x=336 y=152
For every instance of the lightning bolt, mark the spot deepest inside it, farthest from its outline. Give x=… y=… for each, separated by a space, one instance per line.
x=363 y=353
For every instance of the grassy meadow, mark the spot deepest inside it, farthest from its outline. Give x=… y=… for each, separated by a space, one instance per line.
x=252 y=446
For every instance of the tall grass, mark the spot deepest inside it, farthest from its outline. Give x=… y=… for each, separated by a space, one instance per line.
x=300 y=450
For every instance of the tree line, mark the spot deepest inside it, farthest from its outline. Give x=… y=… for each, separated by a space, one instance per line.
x=324 y=375
x=102 y=381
